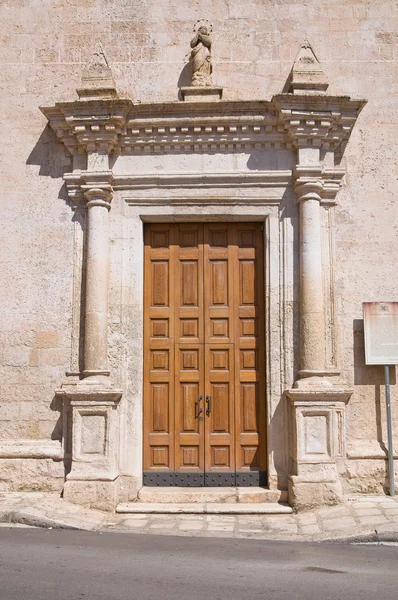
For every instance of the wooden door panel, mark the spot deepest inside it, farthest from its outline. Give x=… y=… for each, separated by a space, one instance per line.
x=160 y=282
x=159 y=407
x=189 y=410
x=189 y=283
x=249 y=407
x=218 y=283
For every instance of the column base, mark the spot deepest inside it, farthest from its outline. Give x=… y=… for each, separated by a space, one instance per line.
x=96 y=373
x=102 y=495
x=318 y=373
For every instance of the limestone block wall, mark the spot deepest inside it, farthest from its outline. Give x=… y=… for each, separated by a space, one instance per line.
x=44 y=46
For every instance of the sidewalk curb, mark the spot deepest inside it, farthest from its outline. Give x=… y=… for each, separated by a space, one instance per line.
x=47 y=515
x=372 y=536
x=35 y=521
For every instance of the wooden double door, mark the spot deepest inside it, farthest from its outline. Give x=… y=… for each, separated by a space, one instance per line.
x=204 y=365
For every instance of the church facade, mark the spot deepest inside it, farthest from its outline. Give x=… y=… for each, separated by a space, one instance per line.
x=198 y=201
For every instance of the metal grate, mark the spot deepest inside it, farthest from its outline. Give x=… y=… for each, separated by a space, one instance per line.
x=212 y=479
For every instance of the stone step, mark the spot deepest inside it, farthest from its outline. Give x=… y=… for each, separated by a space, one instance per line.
x=188 y=495
x=210 y=508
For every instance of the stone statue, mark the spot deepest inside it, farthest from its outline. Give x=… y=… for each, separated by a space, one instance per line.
x=201 y=57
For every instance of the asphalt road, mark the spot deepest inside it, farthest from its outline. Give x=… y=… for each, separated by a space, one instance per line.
x=40 y=564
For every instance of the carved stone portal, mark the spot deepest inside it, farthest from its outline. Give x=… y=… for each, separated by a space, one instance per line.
x=313 y=125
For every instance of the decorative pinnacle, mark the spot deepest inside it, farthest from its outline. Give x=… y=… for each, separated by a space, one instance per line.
x=97 y=78
x=307 y=75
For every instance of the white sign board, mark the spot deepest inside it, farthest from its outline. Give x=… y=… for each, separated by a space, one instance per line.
x=380 y=321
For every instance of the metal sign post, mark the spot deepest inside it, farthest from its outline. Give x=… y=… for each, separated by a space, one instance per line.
x=381 y=348
x=389 y=429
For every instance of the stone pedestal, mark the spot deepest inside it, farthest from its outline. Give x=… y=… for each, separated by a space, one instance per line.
x=317 y=436
x=93 y=479
x=201 y=94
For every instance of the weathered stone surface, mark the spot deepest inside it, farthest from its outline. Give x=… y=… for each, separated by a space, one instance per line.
x=186 y=495
x=212 y=507
x=48 y=510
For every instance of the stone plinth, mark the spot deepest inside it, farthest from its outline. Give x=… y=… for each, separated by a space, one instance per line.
x=317 y=437
x=94 y=433
x=201 y=94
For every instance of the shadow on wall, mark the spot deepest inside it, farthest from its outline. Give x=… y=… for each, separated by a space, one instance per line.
x=53 y=161
x=184 y=79
x=270 y=160
x=62 y=432
x=52 y=158
x=288 y=212
x=371 y=376
x=280 y=419
x=280 y=442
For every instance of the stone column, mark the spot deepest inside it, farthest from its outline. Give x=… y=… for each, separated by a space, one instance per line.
x=93 y=401
x=97 y=283
x=308 y=190
x=317 y=399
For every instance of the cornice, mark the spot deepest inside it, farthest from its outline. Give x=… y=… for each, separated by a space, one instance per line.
x=226 y=126
x=83 y=123
x=317 y=121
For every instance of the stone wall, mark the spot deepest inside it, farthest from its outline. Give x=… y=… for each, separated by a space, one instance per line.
x=44 y=46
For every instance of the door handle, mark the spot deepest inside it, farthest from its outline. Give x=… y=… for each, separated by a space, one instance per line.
x=209 y=405
x=200 y=409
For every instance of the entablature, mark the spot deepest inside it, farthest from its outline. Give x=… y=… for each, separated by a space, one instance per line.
x=121 y=126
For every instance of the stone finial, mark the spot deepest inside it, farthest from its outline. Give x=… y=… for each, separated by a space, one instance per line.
x=307 y=73
x=97 y=78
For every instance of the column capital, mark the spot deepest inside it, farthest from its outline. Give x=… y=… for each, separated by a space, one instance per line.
x=89 y=185
x=97 y=196
x=308 y=183
x=317 y=183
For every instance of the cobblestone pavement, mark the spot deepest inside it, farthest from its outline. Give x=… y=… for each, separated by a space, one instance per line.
x=365 y=518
